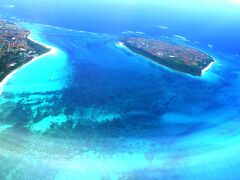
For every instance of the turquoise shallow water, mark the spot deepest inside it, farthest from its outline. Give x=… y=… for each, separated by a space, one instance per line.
x=93 y=110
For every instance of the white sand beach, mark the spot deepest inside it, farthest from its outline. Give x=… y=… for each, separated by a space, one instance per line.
x=52 y=51
x=208 y=67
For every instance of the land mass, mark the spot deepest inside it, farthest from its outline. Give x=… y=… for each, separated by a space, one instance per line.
x=171 y=55
x=16 y=49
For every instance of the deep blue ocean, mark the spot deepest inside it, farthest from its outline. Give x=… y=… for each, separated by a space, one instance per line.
x=94 y=110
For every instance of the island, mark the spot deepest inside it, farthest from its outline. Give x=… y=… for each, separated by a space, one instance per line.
x=16 y=49
x=177 y=57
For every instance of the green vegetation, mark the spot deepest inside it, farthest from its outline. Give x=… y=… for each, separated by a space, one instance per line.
x=15 y=48
x=174 y=56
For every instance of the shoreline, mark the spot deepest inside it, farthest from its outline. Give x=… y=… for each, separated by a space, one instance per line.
x=203 y=71
x=52 y=51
